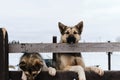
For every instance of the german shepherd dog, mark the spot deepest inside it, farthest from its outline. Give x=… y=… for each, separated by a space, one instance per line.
x=32 y=64
x=72 y=61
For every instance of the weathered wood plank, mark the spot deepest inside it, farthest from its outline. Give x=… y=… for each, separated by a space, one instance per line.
x=109 y=75
x=62 y=47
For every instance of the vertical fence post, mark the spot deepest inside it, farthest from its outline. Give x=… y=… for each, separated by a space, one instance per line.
x=109 y=59
x=4 y=74
x=54 y=39
x=54 y=54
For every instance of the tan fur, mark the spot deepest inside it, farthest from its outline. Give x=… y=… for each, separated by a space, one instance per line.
x=32 y=64
x=72 y=61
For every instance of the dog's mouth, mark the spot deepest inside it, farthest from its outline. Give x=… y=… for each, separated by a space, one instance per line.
x=71 y=39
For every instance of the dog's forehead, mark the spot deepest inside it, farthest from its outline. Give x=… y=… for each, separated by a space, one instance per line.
x=71 y=29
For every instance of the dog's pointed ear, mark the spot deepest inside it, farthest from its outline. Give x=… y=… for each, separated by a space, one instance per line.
x=79 y=27
x=62 y=27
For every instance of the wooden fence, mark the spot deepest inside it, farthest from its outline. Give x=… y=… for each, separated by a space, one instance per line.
x=6 y=48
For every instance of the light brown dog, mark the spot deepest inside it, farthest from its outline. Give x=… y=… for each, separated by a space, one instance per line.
x=32 y=64
x=72 y=61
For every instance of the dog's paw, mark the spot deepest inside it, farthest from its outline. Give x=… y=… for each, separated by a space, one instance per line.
x=52 y=71
x=82 y=78
x=98 y=70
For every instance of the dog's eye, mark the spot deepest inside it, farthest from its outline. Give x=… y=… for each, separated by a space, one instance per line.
x=67 y=32
x=34 y=74
x=75 y=32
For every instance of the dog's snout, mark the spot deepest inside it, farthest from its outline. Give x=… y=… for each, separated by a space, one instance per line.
x=71 y=39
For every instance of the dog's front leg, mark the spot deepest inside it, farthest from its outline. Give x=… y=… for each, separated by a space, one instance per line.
x=79 y=70
x=24 y=76
x=97 y=70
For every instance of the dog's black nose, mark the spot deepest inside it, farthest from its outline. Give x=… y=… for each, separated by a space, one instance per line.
x=71 y=39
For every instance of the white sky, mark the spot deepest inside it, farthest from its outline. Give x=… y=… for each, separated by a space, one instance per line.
x=36 y=20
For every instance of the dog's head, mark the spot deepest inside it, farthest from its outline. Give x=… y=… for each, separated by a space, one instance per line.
x=31 y=64
x=70 y=34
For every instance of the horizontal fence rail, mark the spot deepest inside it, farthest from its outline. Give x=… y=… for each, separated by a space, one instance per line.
x=62 y=47
x=109 y=75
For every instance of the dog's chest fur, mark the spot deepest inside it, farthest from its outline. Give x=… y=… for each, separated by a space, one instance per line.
x=65 y=59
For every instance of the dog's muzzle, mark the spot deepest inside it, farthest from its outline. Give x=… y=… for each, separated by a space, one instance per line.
x=71 y=39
